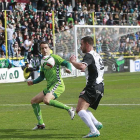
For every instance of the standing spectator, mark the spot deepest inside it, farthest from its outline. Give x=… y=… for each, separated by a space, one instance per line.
x=27 y=45
x=10 y=31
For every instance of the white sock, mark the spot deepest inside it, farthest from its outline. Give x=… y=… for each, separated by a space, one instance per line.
x=95 y=121
x=87 y=119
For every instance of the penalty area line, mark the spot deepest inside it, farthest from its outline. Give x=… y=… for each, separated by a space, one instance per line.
x=71 y=104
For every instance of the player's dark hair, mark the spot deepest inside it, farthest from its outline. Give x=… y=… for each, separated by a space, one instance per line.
x=43 y=42
x=88 y=39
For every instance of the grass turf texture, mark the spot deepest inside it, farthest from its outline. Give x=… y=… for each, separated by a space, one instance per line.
x=120 y=122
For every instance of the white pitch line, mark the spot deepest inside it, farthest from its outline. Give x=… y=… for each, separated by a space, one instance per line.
x=21 y=84
x=72 y=104
x=117 y=104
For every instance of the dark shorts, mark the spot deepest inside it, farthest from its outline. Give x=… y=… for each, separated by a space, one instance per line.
x=93 y=94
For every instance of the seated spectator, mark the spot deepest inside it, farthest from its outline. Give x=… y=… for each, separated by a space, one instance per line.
x=30 y=6
x=98 y=47
x=136 y=49
x=90 y=19
x=76 y=18
x=2 y=54
x=82 y=21
x=105 y=18
x=109 y=21
x=19 y=52
x=79 y=7
x=70 y=19
x=121 y=48
x=50 y=22
x=3 y=49
x=69 y=9
x=15 y=48
x=128 y=48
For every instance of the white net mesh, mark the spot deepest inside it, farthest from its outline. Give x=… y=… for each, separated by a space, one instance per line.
x=64 y=45
x=114 y=43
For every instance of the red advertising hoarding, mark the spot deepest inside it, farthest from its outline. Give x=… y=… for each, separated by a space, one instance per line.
x=20 y=1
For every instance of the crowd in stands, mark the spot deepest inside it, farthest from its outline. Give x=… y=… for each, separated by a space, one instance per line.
x=31 y=23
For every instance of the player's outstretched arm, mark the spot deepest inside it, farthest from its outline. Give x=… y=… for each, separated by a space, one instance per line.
x=77 y=65
x=38 y=80
x=67 y=65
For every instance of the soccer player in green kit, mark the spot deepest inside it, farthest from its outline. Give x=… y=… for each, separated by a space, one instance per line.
x=55 y=86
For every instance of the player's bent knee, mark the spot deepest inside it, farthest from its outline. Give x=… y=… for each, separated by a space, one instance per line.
x=46 y=102
x=32 y=101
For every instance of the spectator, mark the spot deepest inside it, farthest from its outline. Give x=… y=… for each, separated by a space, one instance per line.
x=69 y=9
x=90 y=19
x=135 y=49
x=10 y=31
x=128 y=48
x=105 y=19
x=1 y=6
x=121 y=48
x=3 y=49
x=5 y=5
x=70 y=19
x=109 y=21
x=27 y=45
x=98 y=47
x=82 y=21
x=15 y=48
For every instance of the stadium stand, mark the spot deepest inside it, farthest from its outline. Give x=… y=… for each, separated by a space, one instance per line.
x=33 y=19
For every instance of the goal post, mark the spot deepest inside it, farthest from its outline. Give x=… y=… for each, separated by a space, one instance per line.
x=108 y=42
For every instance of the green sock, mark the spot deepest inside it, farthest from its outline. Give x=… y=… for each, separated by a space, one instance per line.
x=58 y=104
x=38 y=113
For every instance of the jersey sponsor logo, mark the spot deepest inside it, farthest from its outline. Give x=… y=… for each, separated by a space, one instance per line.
x=99 y=92
x=101 y=64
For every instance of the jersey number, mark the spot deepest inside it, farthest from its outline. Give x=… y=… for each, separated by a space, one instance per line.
x=101 y=64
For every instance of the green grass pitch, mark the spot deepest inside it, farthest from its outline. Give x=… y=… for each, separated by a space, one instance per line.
x=119 y=110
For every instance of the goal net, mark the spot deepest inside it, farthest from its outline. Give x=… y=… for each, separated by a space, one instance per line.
x=116 y=44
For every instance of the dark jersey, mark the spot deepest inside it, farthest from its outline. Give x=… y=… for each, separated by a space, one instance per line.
x=95 y=68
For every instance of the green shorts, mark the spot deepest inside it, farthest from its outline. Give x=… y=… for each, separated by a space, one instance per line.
x=57 y=89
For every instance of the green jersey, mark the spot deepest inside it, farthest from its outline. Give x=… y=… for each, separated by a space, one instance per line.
x=55 y=83
x=54 y=74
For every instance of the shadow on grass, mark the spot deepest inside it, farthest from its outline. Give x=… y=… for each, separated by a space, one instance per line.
x=23 y=134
